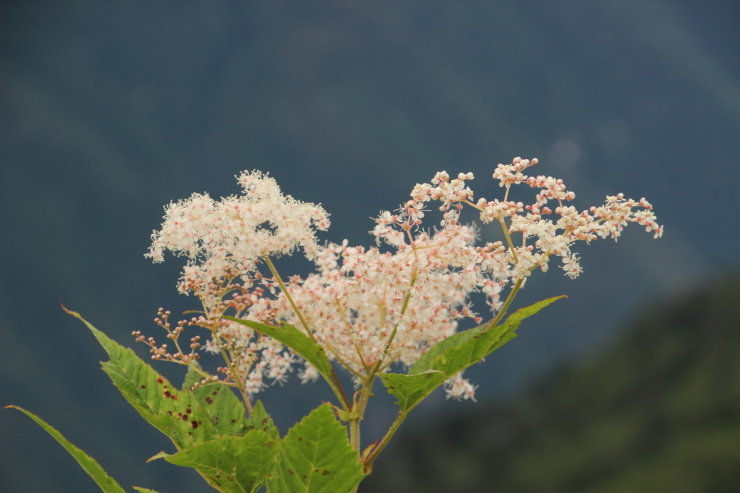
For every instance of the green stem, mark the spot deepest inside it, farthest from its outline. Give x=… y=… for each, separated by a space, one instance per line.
x=334 y=383
x=505 y=307
x=508 y=240
x=406 y=300
x=336 y=386
x=234 y=368
x=297 y=311
x=358 y=411
x=389 y=434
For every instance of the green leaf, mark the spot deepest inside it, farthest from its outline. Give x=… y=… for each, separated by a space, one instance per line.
x=180 y=415
x=260 y=420
x=295 y=340
x=220 y=406
x=105 y=482
x=316 y=456
x=509 y=326
x=453 y=355
x=411 y=389
x=232 y=464
x=144 y=490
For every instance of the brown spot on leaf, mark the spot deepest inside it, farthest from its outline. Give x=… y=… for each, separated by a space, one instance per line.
x=209 y=400
x=194 y=424
x=325 y=472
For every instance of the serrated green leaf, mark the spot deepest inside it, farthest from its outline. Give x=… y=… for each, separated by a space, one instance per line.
x=220 y=406
x=410 y=389
x=232 y=464
x=260 y=420
x=177 y=414
x=105 y=482
x=424 y=362
x=295 y=340
x=456 y=357
x=453 y=355
x=316 y=456
x=192 y=377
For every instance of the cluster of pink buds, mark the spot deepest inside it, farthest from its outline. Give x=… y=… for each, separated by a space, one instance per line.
x=161 y=352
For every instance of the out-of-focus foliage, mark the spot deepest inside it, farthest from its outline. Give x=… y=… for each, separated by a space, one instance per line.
x=658 y=410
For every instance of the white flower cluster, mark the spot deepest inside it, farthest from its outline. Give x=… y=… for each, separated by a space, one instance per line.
x=371 y=308
x=227 y=238
x=224 y=242
x=541 y=238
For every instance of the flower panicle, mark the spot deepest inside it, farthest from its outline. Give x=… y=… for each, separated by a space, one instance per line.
x=370 y=308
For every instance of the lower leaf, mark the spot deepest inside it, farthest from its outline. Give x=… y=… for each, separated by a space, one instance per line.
x=232 y=464
x=316 y=456
x=105 y=482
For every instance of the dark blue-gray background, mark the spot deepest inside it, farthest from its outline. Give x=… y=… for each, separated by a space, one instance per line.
x=109 y=110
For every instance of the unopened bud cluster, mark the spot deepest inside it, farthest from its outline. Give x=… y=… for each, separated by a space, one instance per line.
x=161 y=352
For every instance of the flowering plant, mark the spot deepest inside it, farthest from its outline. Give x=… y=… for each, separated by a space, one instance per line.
x=390 y=312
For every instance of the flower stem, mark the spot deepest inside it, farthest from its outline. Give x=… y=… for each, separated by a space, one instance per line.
x=297 y=311
x=505 y=307
x=368 y=463
x=335 y=385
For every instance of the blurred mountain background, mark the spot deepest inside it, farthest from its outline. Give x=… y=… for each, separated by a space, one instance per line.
x=108 y=111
